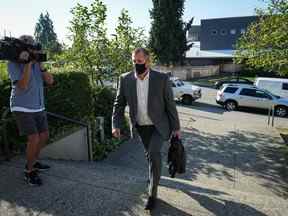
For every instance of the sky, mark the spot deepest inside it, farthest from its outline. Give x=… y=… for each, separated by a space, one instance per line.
x=19 y=17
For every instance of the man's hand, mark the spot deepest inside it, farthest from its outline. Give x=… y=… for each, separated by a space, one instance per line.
x=116 y=133
x=176 y=133
x=48 y=78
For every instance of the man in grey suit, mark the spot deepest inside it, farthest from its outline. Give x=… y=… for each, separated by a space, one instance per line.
x=152 y=112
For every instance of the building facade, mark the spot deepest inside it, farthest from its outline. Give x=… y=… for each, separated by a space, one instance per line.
x=214 y=42
x=223 y=33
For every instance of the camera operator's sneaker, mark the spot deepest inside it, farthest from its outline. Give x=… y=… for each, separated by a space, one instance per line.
x=32 y=178
x=39 y=167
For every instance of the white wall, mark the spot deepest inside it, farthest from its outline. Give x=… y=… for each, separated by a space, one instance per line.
x=189 y=72
x=72 y=147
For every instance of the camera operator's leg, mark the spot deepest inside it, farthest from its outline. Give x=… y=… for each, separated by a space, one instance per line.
x=31 y=150
x=27 y=127
x=31 y=175
x=42 y=127
x=44 y=136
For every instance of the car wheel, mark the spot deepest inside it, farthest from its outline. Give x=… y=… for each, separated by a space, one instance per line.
x=230 y=105
x=281 y=111
x=187 y=99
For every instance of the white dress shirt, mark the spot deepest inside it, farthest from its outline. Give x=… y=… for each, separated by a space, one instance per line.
x=142 y=100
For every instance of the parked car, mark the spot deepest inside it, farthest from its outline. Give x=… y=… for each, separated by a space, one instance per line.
x=218 y=84
x=276 y=86
x=232 y=96
x=185 y=92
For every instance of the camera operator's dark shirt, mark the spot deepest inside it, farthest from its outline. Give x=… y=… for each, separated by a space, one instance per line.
x=30 y=99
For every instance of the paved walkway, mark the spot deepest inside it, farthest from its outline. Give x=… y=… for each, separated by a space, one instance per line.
x=231 y=171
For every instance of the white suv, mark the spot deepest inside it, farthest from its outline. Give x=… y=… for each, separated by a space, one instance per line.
x=187 y=93
x=234 y=96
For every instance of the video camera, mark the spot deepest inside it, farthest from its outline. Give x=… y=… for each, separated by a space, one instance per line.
x=11 y=49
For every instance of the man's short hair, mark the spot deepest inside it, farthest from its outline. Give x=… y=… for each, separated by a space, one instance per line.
x=27 y=39
x=141 y=50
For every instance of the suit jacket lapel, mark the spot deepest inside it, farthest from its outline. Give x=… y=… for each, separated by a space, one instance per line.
x=151 y=87
x=133 y=92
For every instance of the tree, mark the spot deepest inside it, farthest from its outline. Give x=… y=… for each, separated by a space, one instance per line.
x=265 y=43
x=124 y=42
x=45 y=34
x=167 y=35
x=90 y=46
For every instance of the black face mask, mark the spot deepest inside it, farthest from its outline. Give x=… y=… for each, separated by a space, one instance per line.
x=140 y=68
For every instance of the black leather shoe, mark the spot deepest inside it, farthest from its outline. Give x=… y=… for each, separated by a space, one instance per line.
x=150 y=203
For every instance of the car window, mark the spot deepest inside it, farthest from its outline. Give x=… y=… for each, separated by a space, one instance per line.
x=248 y=92
x=222 y=87
x=261 y=94
x=178 y=83
x=285 y=86
x=231 y=90
x=173 y=84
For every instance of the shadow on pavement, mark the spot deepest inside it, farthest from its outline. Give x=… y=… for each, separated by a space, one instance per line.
x=220 y=156
x=204 y=107
x=212 y=201
x=165 y=209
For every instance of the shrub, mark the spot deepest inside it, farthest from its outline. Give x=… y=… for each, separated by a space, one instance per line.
x=103 y=105
x=72 y=96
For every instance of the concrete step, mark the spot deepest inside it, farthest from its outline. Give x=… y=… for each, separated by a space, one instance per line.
x=83 y=188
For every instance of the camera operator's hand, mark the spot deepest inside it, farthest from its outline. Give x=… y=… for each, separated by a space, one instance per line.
x=48 y=78
x=24 y=56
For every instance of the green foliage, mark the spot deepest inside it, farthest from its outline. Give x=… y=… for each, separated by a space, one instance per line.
x=90 y=47
x=101 y=150
x=124 y=42
x=5 y=88
x=71 y=96
x=103 y=105
x=264 y=45
x=45 y=34
x=168 y=36
x=3 y=71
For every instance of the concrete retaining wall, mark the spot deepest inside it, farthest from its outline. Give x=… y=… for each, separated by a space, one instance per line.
x=190 y=72
x=72 y=147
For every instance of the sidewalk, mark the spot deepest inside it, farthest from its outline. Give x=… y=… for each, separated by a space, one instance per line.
x=230 y=172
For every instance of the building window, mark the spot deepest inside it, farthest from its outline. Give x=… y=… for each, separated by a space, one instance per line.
x=243 y=30
x=194 y=36
x=233 y=31
x=223 y=32
x=285 y=86
x=214 y=32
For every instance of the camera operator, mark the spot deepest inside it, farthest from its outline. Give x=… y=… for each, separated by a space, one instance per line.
x=27 y=105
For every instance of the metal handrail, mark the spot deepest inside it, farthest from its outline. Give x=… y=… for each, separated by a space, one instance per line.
x=271 y=115
x=4 y=121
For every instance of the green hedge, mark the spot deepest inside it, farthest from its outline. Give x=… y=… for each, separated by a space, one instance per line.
x=72 y=96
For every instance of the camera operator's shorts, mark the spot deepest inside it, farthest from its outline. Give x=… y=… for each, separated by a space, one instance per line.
x=31 y=123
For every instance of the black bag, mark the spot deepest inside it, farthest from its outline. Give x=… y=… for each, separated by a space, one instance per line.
x=176 y=157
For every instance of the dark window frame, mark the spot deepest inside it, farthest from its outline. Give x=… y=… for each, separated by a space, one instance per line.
x=264 y=94
x=223 y=32
x=284 y=86
x=214 y=32
x=245 y=89
x=227 y=90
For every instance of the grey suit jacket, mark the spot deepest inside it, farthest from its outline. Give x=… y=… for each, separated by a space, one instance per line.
x=161 y=105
